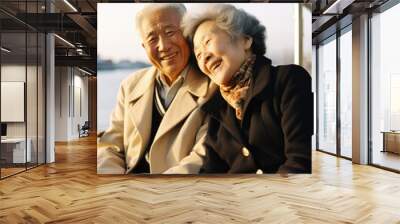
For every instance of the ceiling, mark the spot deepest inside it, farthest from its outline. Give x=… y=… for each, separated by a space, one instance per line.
x=329 y=16
x=76 y=24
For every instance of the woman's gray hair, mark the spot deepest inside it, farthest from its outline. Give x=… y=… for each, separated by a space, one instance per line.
x=152 y=7
x=236 y=22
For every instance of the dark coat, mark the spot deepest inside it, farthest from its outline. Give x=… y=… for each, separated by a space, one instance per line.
x=275 y=133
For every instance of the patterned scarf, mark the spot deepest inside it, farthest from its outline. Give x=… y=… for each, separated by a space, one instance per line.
x=235 y=92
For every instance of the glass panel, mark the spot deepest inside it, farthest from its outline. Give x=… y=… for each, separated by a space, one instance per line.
x=13 y=86
x=41 y=98
x=385 y=84
x=23 y=88
x=327 y=96
x=14 y=151
x=346 y=94
x=31 y=86
x=314 y=86
x=31 y=97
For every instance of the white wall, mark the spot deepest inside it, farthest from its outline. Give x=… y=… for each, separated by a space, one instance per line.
x=80 y=109
x=12 y=73
x=33 y=127
x=62 y=81
x=71 y=93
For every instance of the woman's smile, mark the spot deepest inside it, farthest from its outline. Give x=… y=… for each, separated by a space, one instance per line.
x=218 y=54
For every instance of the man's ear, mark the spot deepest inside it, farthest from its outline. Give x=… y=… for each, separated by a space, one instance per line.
x=248 y=41
x=142 y=44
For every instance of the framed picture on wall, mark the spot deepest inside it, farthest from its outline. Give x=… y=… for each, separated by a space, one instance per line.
x=199 y=88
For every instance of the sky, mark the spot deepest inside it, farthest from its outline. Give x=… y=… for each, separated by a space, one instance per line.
x=118 y=38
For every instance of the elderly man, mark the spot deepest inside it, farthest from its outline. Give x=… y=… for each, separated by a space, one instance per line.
x=157 y=125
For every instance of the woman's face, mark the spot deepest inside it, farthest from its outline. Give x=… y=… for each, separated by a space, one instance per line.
x=217 y=54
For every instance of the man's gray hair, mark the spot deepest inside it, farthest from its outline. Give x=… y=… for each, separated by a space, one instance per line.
x=236 y=22
x=152 y=7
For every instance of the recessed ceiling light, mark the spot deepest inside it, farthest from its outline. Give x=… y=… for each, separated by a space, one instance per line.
x=5 y=50
x=86 y=72
x=64 y=40
x=70 y=5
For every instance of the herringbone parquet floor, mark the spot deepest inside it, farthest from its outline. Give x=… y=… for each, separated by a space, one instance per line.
x=70 y=191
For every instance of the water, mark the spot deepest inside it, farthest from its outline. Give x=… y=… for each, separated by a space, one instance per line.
x=108 y=82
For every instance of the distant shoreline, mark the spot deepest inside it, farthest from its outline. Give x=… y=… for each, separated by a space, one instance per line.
x=110 y=65
x=118 y=68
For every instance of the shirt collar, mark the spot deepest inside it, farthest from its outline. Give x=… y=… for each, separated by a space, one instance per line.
x=161 y=79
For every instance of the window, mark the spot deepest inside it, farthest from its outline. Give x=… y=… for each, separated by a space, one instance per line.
x=327 y=96
x=346 y=93
x=385 y=88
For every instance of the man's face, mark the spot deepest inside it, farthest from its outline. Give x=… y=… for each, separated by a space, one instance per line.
x=164 y=43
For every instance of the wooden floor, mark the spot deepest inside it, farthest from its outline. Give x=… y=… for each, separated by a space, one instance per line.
x=70 y=191
x=10 y=171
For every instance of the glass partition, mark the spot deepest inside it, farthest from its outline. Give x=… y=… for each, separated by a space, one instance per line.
x=31 y=99
x=14 y=151
x=327 y=96
x=32 y=86
x=385 y=89
x=41 y=96
x=22 y=90
x=346 y=93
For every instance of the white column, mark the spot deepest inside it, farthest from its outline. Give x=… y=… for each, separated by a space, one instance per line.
x=50 y=94
x=314 y=90
x=297 y=38
x=360 y=90
x=306 y=37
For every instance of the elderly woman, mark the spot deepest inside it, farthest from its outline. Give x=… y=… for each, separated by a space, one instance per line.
x=261 y=120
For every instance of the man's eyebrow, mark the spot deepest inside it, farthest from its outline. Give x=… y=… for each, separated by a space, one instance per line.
x=153 y=32
x=170 y=26
x=150 y=33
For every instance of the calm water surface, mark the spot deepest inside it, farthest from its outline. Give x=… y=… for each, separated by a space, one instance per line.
x=108 y=82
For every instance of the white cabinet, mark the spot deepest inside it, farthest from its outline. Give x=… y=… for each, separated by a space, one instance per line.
x=19 y=155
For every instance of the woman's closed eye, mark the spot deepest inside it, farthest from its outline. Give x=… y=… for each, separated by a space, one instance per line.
x=198 y=56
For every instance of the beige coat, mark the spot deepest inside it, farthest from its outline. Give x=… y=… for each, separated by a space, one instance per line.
x=177 y=146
